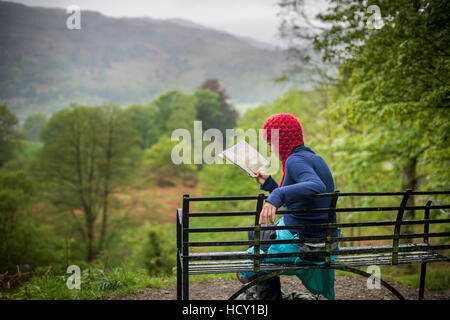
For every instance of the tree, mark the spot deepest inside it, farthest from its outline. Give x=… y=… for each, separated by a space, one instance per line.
x=174 y=110
x=15 y=193
x=215 y=111
x=9 y=134
x=159 y=164
x=23 y=241
x=397 y=75
x=208 y=108
x=144 y=119
x=87 y=152
x=33 y=125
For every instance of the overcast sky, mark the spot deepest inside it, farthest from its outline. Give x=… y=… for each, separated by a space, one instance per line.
x=254 y=18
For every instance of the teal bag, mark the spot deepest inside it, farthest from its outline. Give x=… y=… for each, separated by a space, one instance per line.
x=317 y=281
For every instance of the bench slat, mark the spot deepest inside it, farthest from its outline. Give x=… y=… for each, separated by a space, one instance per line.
x=247 y=265
x=342 y=252
x=316 y=240
x=320 y=226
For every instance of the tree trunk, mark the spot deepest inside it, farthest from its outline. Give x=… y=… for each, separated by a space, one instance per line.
x=106 y=187
x=90 y=237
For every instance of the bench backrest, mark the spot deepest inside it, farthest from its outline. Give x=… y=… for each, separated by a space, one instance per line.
x=184 y=230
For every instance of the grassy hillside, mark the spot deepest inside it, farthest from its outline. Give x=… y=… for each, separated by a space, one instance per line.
x=44 y=66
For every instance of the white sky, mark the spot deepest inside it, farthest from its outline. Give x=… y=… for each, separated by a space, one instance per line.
x=253 y=18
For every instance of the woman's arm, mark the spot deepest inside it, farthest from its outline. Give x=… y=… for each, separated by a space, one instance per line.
x=269 y=185
x=307 y=183
x=266 y=181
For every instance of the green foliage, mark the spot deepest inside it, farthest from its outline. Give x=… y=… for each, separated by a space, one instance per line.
x=95 y=284
x=33 y=125
x=213 y=107
x=399 y=82
x=437 y=278
x=226 y=180
x=208 y=108
x=144 y=119
x=169 y=111
x=158 y=165
x=394 y=86
x=87 y=153
x=9 y=134
x=18 y=182
x=29 y=150
x=149 y=247
x=174 y=110
x=23 y=240
x=159 y=252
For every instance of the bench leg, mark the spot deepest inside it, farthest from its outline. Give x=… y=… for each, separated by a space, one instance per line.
x=185 y=280
x=423 y=273
x=179 y=277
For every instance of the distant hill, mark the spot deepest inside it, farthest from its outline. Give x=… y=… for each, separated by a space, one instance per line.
x=252 y=42
x=44 y=66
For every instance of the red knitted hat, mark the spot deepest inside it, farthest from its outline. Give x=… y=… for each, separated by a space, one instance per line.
x=290 y=135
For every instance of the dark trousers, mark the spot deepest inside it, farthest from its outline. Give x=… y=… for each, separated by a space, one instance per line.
x=269 y=289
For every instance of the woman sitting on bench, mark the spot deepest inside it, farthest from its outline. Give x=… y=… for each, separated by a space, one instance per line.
x=304 y=173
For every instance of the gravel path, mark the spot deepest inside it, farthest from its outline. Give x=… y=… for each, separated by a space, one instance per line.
x=346 y=288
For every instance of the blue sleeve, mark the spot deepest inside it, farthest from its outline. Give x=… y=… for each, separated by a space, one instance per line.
x=307 y=183
x=269 y=185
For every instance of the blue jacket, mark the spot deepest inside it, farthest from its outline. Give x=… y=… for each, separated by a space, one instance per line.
x=306 y=174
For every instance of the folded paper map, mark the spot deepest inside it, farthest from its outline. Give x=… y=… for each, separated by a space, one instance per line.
x=245 y=157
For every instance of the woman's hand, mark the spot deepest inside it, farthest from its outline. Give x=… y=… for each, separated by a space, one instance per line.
x=260 y=177
x=267 y=213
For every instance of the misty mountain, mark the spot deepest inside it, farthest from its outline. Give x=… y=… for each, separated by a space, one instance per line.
x=44 y=66
x=251 y=41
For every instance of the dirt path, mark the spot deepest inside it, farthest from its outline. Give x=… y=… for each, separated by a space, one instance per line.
x=346 y=288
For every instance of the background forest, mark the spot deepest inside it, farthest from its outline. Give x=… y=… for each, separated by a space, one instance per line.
x=93 y=185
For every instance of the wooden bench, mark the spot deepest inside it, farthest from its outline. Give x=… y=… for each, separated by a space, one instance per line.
x=348 y=257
